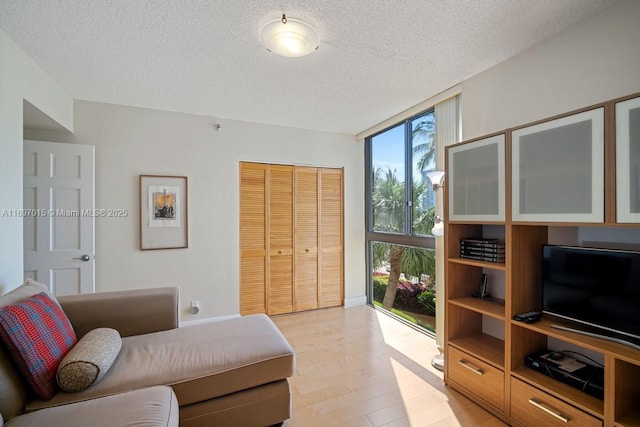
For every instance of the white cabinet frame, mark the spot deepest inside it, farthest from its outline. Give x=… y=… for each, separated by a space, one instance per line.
x=627 y=175
x=471 y=178
x=552 y=170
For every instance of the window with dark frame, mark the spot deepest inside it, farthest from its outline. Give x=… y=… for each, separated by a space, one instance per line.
x=399 y=216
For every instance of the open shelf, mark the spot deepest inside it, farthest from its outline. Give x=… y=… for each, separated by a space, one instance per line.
x=532 y=338
x=629 y=419
x=621 y=351
x=468 y=277
x=472 y=331
x=627 y=393
x=482 y=346
x=489 y=307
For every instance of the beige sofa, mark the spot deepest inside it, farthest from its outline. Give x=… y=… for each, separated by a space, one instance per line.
x=150 y=407
x=227 y=373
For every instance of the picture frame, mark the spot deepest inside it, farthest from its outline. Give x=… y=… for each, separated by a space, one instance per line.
x=164 y=212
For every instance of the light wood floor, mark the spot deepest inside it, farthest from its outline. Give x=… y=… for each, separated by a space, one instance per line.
x=359 y=367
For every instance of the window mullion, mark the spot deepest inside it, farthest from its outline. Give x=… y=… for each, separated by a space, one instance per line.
x=368 y=197
x=408 y=178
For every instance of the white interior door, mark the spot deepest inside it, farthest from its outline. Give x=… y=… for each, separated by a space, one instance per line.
x=59 y=216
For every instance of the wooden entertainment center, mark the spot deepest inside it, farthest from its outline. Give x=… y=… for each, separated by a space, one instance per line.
x=520 y=186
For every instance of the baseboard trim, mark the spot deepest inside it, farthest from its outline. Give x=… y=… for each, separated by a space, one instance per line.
x=355 y=301
x=207 y=320
x=348 y=302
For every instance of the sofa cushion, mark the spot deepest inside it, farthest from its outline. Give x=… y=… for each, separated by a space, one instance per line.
x=200 y=362
x=38 y=335
x=265 y=405
x=29 y=288
x=13 y=387
x=89 y=360
x=152 y=407
x=130 y=312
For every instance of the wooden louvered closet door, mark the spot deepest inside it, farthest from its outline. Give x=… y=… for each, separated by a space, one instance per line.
x=291 y=238
x=280 y=239
x=306 y=238
x=331 y=291
x=252 y=238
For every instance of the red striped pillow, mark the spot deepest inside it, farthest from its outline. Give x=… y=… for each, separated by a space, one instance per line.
x=39 y=335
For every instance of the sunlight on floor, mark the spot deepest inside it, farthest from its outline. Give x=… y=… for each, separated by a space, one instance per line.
x=359 y=367
x=402 y=338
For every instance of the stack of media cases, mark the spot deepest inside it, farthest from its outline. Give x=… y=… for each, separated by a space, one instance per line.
x=490 y=250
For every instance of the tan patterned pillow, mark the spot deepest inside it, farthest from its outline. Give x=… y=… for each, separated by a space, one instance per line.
x=89 y=360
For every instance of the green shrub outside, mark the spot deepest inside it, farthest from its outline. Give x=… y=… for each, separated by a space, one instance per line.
x=379 y=287
x=427 y=300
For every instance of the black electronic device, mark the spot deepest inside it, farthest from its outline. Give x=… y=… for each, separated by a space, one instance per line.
x=528 y=317
x=561 y=367
x=600 y=288
x=483 y=292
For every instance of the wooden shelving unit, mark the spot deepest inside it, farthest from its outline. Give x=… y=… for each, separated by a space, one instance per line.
x=482 y=334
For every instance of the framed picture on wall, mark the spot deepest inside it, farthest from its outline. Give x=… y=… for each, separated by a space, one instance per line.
x=163 y=212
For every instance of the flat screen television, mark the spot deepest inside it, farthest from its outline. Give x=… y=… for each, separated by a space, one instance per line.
x=599 y=288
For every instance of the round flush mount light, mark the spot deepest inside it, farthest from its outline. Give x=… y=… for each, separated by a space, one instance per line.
x=289 y=37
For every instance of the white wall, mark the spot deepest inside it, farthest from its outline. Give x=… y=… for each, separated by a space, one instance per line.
x=132 y=141
x=20 y=78
x=594 y=61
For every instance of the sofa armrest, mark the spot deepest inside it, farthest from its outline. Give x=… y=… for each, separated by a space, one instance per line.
x=133 y=312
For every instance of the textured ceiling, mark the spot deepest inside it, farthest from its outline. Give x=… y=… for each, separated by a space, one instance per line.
x=376 y=57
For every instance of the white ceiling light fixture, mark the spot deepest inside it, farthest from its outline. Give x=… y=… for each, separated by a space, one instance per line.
x=289 y=37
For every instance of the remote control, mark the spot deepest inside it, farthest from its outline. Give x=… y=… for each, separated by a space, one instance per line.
x=528 y=317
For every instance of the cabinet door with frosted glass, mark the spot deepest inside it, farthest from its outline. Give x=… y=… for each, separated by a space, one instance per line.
x=475 y=179
x=558 y=170
x=628 y=161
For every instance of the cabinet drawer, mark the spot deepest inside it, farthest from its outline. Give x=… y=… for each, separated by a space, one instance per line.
x=533 y=407
x=482 y=379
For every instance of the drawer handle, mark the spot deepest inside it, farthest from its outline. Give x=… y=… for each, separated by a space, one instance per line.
x=471 y=367
x=549 y=410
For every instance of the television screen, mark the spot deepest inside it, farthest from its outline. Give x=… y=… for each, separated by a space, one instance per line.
x=597 y=287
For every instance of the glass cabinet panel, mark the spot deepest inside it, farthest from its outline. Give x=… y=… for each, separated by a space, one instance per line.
x=558 y=170
x=476 y=179
x=628 y=161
